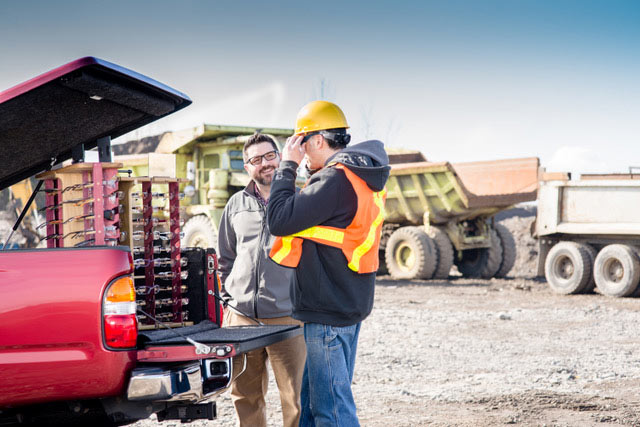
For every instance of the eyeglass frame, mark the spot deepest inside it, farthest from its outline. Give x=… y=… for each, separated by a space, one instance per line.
x=328 y=134
x=309 y=135
x=261 y=157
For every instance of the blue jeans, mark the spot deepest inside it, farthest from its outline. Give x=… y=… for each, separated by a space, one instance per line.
x=326 y=396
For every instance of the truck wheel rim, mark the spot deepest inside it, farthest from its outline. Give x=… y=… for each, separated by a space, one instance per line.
x=614 y=271
x=405 y=256
x=199 y=241
x=564 y=268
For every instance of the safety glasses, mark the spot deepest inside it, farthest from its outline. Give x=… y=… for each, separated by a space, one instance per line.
x=308 y=136
x=68 y=220
x=256 y=160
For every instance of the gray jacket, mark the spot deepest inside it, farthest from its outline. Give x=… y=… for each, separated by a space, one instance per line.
x=250 y=281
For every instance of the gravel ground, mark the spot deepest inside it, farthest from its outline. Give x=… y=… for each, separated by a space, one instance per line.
x=473 y=352
x=489 y=352
x=469 y=352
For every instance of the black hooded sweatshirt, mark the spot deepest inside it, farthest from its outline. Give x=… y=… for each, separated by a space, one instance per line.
x=325 y=290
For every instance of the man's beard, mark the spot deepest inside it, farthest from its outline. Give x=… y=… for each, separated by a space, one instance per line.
x=262 y=179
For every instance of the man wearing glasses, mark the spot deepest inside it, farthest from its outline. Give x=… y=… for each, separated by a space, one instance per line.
x=260 y=289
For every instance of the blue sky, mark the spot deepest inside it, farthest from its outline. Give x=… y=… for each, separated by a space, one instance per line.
x=458 y=80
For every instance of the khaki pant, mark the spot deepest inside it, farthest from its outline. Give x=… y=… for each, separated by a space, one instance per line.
x=287 y=360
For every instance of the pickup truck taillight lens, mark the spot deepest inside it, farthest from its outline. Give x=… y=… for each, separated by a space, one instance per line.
x=119 y=313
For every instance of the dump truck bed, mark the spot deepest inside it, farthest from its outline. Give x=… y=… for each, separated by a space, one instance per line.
x=589 y=207
x=458 y=191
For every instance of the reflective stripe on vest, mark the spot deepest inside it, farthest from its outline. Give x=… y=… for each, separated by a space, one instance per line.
x=359 y=241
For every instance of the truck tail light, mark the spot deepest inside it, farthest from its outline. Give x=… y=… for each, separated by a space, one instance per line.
x=119 y=314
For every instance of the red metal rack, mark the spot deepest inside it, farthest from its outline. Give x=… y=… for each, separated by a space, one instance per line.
x=161 y=291
x=76 y=198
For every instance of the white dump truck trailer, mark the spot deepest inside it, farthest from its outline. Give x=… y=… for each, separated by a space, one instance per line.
x=589 y=234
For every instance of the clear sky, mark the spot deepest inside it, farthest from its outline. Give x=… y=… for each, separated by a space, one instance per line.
x=458 y=80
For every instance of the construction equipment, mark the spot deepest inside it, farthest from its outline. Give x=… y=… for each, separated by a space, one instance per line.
x=440 y=214
x=589 y=233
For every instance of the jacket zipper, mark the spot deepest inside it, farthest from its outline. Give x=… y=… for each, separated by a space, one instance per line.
x=259 y=258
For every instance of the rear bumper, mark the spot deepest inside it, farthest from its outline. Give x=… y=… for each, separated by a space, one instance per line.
x=190 y=382
x=176 y=368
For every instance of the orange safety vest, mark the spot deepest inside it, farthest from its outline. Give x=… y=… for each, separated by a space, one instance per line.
x=359 y=241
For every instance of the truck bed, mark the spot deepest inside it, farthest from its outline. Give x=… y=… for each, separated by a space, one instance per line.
x=499 y=182
x=458 y=191
x=589 y=207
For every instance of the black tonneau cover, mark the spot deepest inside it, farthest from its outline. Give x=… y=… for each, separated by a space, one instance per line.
x=74 y=104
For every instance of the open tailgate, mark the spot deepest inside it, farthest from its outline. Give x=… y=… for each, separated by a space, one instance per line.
x=174 y=345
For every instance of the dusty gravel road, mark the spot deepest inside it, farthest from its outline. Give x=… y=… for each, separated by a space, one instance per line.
x=489 y=352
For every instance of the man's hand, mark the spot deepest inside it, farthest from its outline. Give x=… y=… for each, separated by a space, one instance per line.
x=293 y=150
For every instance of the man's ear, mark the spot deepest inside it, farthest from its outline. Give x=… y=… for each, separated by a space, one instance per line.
x=246 y=167
x=321 y=143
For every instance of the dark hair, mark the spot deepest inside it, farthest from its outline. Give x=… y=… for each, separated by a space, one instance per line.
x=336 y=138
x=257 y=138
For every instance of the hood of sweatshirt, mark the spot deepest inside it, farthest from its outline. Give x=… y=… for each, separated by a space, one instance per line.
x=366 y=159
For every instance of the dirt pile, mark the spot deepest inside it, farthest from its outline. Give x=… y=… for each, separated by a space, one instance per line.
x=7 y=219
x=526 y=246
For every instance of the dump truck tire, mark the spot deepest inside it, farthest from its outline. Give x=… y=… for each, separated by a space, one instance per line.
x=591 y=284
x=508 y=250
x=445 y=252
x=568 y=268
x=494 y=258
x=410 y=254
x=635 y=293
x=617 y=270
x=482 y=262
x=198 y=232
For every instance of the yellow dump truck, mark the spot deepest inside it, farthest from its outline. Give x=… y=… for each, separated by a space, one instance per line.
x=441 y=214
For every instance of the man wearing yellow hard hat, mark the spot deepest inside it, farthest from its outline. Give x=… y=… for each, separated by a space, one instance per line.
x=330 y=233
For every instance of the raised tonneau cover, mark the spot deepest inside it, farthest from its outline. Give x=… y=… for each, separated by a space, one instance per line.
x=77 y=103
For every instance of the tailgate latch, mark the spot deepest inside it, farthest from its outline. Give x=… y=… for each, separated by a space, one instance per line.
x=200 y=348
x=219 y=351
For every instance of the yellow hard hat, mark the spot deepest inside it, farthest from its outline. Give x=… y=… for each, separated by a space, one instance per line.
x=320 y=115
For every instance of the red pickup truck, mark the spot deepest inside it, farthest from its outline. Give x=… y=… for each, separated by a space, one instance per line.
x=71 y=351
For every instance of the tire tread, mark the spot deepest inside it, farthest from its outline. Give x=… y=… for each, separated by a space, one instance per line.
x=426 y=255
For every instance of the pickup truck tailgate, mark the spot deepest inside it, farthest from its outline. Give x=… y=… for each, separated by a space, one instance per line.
x=174 y=345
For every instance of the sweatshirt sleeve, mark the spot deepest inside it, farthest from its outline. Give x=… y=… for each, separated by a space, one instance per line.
x=226 y=248
x=289 y=212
